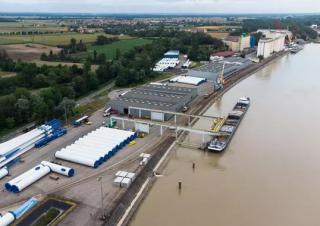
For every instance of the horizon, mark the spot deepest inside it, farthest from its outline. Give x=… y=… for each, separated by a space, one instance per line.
x=167 y=7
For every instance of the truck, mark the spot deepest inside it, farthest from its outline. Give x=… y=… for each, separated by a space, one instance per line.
x=107 y=112
x=81 y=121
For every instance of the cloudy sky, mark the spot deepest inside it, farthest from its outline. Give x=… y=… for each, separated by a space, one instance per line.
x=162 y=6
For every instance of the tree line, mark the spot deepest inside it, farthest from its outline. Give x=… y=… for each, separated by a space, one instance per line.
x=299 y=26
x=38 y=93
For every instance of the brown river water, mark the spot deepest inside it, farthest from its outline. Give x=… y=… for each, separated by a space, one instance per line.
x=270 y=173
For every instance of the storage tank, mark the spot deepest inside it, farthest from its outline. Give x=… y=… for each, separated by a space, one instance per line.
x=77 y=159
x=77 y=152
x=4 y=172
x=91 y=154
x=37 y=172
x=25 y=207
x=66 y=171
x=17 y=179
x=7 y=219
x=97 y=146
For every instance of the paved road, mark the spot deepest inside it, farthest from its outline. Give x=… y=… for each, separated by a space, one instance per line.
x=88 y=99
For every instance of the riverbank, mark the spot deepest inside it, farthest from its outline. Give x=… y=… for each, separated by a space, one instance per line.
x=198 y=108
x=268 y=175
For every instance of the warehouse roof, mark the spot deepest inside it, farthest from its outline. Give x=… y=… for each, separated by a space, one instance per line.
x=156 y=96
x=172 y=52
x=213 y=69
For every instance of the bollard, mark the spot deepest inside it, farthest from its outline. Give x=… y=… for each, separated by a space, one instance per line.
x=180 y=185
x=193 y=165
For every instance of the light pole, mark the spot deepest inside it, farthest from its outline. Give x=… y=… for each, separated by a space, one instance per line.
x=101 y=191
x=65 y=113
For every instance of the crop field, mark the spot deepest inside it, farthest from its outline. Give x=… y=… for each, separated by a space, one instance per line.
x=111 y=49
x=27 y=52
x=218 y=35
x=50 y=39
x=32 y=25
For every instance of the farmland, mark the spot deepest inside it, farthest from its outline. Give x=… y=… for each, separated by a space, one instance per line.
x=110 y=49
x=32 y=26
x=27 y=52
x=50 y=39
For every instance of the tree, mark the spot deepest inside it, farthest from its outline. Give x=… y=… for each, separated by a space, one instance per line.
x=95 y=56
x=65 y=108
x=87 y=67
x=118 y=54
x=101 y=58
x=40 y=81
x=10 y=122
x=79 y=85
x=39 y=108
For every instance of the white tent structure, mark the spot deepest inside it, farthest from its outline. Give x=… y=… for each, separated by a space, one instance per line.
x=96 y=147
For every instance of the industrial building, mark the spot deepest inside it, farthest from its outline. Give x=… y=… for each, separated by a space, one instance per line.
x=238 y=43
x=212 y=70
x=154 y=96
x=170 y=60
x=268 y=46
x=273 y=41
x=271 y=33
x=189 y=80
x=172 y=54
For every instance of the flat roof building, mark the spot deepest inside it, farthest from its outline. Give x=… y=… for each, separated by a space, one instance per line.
x=212 y=70
x=151 y=96
x=172 y=54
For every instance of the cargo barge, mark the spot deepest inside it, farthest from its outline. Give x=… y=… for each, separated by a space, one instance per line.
x=230 y=126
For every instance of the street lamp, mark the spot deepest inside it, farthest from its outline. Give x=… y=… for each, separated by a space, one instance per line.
x=103 y=217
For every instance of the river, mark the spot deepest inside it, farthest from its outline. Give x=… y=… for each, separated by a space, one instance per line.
x=270 y=173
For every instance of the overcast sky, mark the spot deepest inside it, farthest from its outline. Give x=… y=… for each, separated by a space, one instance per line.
x=162 y=6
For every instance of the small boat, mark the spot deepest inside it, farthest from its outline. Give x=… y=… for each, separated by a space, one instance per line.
x=230 y=125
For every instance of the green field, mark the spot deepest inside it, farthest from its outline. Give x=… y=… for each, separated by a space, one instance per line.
x=50 y=39
x=122 y=45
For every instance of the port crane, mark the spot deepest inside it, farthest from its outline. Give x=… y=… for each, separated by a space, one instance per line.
x=219 y=84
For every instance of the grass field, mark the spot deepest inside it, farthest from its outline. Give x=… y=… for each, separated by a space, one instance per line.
x=110 y=49
x=50 y=39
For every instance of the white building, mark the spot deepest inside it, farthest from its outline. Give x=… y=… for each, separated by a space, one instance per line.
x=272 y=43
x=265 y=47
x=314 y=26
x=270 y=33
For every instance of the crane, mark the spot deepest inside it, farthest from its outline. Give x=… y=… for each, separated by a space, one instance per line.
x=220 y=80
